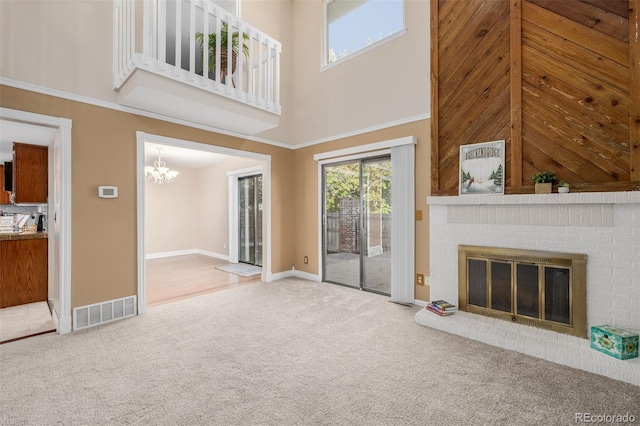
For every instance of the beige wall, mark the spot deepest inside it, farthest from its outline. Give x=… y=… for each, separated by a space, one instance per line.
x=63 y=45
x=213 y=212
x=306 y=195
x=104 y=153
x=193 y=211
x=171 y=213
x=67 y=45
x=386 y=84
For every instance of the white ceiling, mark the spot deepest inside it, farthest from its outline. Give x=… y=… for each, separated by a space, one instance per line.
x=181 y=157
x=14 y=131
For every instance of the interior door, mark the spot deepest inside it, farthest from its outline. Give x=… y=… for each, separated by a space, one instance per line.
x=357 y=224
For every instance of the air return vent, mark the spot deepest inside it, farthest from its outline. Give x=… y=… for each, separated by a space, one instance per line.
x=103 y=312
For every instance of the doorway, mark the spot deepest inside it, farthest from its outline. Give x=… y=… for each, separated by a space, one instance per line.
x=250 y=219
x=54 y=132
x=210 y=240
x=357 y=224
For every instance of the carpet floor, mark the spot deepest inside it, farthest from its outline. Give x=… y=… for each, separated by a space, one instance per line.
x=290 y=352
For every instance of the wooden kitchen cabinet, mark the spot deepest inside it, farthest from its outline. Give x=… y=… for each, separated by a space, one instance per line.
x=4 y=195
x=30 y=173
x=23 y=271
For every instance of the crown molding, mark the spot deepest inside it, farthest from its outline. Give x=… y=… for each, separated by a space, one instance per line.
x=364 y=130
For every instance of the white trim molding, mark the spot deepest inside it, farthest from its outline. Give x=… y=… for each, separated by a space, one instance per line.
x=162 y=255
x=361 y=149
x=113 y=106
x=63 y=217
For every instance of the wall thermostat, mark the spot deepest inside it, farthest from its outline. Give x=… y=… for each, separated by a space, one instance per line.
x=108 y=191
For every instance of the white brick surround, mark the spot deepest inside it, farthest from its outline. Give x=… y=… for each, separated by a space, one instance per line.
x=604 y=226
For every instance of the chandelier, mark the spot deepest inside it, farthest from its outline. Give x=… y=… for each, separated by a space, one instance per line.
x=159 y=171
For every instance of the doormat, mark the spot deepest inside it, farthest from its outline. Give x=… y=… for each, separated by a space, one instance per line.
x=242 y=269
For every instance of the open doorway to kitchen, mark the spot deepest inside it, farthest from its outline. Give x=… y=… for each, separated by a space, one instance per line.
x=185 y=242
x=54 y=310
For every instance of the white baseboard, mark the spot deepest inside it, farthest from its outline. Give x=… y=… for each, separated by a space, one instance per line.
x=279 y=275
x=293 y=274
x=185 y=252
x=169 y=254
x=420 y=302
x=213 y=254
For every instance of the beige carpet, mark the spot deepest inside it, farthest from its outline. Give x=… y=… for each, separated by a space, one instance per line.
x=290 y=352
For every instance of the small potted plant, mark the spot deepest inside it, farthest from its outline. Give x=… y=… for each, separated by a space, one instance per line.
x=544 y=181
x=563 y=187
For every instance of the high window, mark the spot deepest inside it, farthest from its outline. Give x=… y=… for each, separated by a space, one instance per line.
x=352 y=25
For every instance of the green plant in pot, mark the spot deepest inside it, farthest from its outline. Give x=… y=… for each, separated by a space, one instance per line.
x=224 y=47
x=543 y=182
x=563 y=186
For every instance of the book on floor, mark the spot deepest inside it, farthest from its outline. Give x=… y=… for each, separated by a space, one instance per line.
x=437 y=312
x=443 y=305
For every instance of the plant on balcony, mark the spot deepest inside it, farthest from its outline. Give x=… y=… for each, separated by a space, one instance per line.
x=224 y=47
x=543 y=182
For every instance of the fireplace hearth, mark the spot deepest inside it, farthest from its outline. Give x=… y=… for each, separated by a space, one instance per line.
x=603 y=226
x=538 y=288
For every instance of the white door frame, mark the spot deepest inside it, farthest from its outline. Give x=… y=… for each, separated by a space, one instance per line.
x=143 y=137
x=61 y=215
x=403 y=234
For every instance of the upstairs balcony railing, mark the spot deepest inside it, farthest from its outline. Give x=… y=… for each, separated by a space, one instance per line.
x=169 y=38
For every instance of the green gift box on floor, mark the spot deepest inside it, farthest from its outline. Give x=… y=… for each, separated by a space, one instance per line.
x=614 y=341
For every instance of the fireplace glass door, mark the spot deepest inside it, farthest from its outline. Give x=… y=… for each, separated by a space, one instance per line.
x=536 y=288
x=492 y=285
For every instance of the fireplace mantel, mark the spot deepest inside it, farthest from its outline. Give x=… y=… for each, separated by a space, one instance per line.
x=590 y=209
x=628 y=197
x=604 y=226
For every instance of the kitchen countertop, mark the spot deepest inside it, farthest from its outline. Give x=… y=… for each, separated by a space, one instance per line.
x=27 y=235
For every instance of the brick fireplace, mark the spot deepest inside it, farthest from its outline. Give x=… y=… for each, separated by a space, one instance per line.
x=603 y=226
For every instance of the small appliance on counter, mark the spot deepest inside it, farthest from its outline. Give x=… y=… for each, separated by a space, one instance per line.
x=40 y=223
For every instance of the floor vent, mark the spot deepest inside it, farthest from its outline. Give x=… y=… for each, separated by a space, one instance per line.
x=103 y=312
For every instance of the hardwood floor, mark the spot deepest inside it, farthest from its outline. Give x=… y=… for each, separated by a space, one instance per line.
x=181 y=277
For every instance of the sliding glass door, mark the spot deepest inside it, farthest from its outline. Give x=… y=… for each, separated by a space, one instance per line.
x=357 y=224
x=250 y=220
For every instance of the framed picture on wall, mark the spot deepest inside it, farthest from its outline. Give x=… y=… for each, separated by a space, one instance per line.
x=482 y=168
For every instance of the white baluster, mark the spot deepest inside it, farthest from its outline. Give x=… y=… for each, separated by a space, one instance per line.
x=260 y=69
x=205 y=44
x=162 y=33
x=277 y=76
x=216 y=71
x=192 y=42
x=178 y=58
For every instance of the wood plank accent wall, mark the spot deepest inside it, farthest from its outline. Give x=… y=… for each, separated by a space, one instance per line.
x=558 y=80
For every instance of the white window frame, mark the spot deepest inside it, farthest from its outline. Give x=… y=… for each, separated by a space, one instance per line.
x=325 y=64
